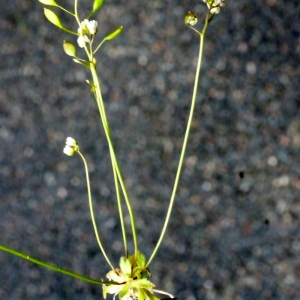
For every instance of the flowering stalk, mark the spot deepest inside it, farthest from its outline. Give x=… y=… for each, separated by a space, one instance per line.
x=71 y=148
x=190 y=20
x=130 y=280
x=86 y=33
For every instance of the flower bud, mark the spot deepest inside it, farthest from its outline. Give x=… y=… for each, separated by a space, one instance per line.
x=71 y=146
x=190 y=19
x=215 y=10
x=82 y=40
x=214 y=5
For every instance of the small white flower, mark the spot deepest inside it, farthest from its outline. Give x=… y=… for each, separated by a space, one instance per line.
x=88 y=27
x=215 y=10
x=92 y=26
x=69 y=150
x=86 y=30
x=115 y=276
x=71 y=146
x=71 y=142
x=82 y=40
x=214 y=5
x=83 y=29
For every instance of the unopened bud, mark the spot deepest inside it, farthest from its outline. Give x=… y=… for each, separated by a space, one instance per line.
x=190 y=19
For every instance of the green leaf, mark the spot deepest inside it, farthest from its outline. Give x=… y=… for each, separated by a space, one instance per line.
x=150 y=296
x=142 y=295
x=49 y=2
x=125 y=266
x=114 y=34
x=141 y=261
x=97 y=5
x=124 y=290
x=53 y=18
x=104 y=292
x=132 y=259
x=69 y=49
x=52 y=267
x=145 y=274
x=142 y=283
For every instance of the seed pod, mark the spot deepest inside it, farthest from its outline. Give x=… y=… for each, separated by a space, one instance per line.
x=69 y=49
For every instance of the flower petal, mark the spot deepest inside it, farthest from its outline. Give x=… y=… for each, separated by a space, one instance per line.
x=112 y=275
x=112 y=289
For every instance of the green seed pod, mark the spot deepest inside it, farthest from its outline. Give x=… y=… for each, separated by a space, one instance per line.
x=97 y=4
x=49 y=2
x=190 y=19
x=69 y=49
x=114 y=34
x=53 y=18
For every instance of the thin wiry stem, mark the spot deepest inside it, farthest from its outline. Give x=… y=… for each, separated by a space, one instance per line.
x=184 y=146
x=100 y=103
x=121 y=214
x=67 y=11
x=76 y=12
x=92 y=210
x=118 y=178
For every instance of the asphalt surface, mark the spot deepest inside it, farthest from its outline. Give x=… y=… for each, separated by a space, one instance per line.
x=234 y=232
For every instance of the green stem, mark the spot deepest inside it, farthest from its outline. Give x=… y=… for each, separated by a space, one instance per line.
x=98 y=47
x=183 y=150
x=62 y=8
x=106 y=128
x=117 y=173
x=121 y=214
x=92 y=210
x=52 y=267
x=115 y=164
x=76 y=12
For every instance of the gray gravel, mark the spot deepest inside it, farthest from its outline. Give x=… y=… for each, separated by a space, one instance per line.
x=234 y=232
